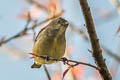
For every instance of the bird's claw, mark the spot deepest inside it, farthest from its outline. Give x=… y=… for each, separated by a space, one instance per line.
x=65 y=60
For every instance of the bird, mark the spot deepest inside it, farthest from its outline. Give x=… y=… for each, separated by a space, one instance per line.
x=50 y=42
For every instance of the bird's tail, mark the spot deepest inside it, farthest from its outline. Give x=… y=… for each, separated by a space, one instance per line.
x=35 y=66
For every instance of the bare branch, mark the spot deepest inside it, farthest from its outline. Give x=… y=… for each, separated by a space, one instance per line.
x=107 y=51
x=23 y=32
x=47 y=73
x=96 y=49
x=65 y=61
x=116 y=57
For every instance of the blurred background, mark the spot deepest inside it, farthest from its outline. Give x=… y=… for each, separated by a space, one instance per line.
x=21 y=20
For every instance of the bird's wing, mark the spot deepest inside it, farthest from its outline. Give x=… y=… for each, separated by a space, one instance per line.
x=39 y=34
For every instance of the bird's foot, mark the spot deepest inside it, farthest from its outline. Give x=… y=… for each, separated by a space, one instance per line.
x=47 y=58
x=65 y=60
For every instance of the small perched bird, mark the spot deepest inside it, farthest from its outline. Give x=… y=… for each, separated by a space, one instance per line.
x=50 y=42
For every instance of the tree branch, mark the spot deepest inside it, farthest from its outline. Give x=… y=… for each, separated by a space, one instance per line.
x=105 y=49
x=96 y=49
x=26 y=28
x=65 y=61
x=47 y=73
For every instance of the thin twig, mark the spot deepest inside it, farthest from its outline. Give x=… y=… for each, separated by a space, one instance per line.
x=96 y=49
x=65 y=61
x=22 y=32
x=47 y=73
x=70 y=63
x=110 y=53
x=79 y=31
x=38 y=4
x=87 y=64
x=105 y=49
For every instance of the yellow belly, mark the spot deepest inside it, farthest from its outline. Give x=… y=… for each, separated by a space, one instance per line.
x=54 y=49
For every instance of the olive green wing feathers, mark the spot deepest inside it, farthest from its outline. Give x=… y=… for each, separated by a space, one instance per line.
x=39 y=34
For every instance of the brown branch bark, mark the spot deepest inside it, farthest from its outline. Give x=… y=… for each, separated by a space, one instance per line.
x=96 y=49
x=65 y=61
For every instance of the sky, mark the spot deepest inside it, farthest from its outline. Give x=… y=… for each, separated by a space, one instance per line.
x=18 y=68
